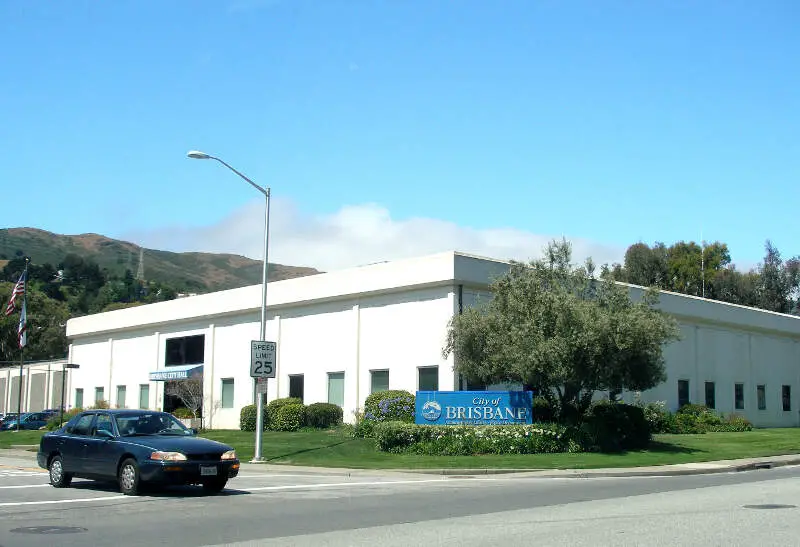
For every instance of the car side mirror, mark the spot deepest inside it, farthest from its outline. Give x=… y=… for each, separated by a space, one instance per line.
x=105 y=434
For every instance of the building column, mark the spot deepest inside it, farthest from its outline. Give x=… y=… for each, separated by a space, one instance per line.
x=208 y=380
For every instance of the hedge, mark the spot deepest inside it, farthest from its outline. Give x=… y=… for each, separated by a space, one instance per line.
x=389 y=406
x=274 y=406
x=323 y=415
x=692 y=419
x=247 y=418
x=457 y=440
x=613 y=427
x=289 y=417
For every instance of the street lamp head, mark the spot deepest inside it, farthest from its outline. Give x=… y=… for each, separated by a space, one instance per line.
x=197 y=155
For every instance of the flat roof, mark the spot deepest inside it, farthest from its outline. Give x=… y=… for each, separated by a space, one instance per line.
x=440 y=269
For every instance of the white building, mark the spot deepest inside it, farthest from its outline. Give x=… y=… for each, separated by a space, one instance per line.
x=41 y=386
x=343 y=334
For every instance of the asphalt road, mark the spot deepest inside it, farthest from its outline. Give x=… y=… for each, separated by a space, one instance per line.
x=261 y=508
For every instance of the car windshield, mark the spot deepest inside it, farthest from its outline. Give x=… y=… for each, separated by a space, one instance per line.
x=151 y=423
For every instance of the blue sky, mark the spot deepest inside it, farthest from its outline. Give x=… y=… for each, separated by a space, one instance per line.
x=396 y=128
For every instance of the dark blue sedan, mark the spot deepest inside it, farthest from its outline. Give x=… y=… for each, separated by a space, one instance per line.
x=135 y=448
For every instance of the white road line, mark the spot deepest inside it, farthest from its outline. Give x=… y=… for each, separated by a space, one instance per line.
x=53 y=502
x=354 y=483
x=25 y=486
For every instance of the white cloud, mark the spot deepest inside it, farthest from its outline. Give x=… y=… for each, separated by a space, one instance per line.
x=355 y=235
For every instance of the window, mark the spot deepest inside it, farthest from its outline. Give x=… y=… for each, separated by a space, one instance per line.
x=738 y=396
x=99 y=393
x=296 y=386
x=380 y=380
x=103 y=423
x=711 y=395
x=186 y=350
x=428 y=378
x=122 y=391
x=683 y=392
x=786 y=396
x=227 y=393
x=761 y=395
x=79 y=398
x=82 y=425
x=336 y=388
x=144 y=396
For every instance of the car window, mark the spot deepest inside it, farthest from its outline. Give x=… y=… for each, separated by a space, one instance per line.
x=150 y=423
x=103 y=423
x=82 y=426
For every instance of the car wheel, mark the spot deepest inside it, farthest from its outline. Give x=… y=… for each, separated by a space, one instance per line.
x=58 y=478
x=129 y=477
x=214 y=486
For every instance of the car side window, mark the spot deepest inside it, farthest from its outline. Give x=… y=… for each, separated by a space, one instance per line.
x=83 y=426
x=103 y=423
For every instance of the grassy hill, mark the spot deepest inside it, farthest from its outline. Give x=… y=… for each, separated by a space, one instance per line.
x=199 y=272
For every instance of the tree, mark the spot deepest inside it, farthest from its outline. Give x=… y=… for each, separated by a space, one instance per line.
x=189 y=391
x=778 y=281
x=555 y=327
x=46 y=326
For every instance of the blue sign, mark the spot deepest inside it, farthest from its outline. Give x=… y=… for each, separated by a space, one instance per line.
x=474 y=407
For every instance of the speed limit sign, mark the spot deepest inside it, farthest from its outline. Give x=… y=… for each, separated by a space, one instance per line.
x=262 y=359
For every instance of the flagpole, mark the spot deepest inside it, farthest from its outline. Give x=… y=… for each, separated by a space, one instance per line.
x=20 y=334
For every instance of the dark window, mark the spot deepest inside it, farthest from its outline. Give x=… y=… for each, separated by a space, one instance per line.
x=82 y=425
x=186 y=350
x=786 y=396
x=683 y=392
x=761 y=395
x=738 y=396
x=711 y=395
x=428 y=379
x=296 y=386
x=379 y=380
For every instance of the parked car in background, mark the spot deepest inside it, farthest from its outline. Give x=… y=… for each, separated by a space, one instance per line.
x=135 y=448
x=29 y=420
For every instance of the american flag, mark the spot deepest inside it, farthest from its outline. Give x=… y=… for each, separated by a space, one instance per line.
x=22 y=330
x=19 y=288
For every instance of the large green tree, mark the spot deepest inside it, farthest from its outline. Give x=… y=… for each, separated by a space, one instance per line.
x=554 y=326
x=47 y=319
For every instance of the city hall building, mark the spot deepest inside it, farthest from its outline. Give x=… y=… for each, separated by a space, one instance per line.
x=345 y=334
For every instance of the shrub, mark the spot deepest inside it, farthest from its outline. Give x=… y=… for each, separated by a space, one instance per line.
x=247 y=418
x=733 y=423
x=613 y=427
x=274 y=406
x=399 y=437
x=100 y=404
x=184 y=413
x=390 y=405
x=53 y=422
x=289 y=417
x=543 y=410
x=322 y=415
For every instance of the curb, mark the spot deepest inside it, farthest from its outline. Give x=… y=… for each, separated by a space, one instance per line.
x=673 y=470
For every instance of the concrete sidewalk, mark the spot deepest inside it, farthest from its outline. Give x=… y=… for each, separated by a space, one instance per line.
x=22 y=455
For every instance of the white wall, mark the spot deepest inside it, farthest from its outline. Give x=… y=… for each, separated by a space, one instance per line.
x=41 y=384
x=399 y=332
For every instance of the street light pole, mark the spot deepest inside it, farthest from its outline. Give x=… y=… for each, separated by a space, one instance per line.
x=195 y=154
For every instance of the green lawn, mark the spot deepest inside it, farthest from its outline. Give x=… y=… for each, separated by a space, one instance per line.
x=332 y=448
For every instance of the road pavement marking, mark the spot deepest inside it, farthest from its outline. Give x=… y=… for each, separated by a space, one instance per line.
x=353 y=483
x=25 y=486
x=53 y=502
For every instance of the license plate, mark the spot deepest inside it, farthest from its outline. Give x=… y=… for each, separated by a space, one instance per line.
x=206 y=470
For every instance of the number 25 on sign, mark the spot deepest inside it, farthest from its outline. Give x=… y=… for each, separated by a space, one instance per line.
x=262 y=359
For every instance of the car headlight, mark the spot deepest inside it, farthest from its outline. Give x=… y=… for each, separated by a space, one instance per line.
x=168 y=456
x=229 y=455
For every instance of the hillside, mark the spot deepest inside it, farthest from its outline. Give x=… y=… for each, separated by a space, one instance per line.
x=197 y=272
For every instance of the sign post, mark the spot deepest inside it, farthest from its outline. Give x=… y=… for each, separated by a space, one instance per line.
x=262 y=367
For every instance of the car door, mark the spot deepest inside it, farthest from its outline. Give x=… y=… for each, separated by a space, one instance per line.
x=73 y=443
x=102 y=449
